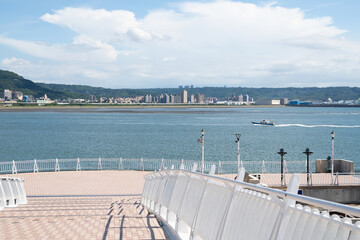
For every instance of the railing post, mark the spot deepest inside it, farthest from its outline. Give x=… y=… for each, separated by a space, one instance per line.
x=14 y=169
x=121 y=167
x=57 y=166
x=162 y=164
x=182 y=167
x=99 y=165
x=263 y=167
x=36 y=169
x=194 y=168
x=141 y=164
x=212 y=170
x=220 y=168
x=78 y=167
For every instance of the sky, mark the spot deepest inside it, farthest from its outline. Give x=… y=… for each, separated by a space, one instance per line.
x=160 y=44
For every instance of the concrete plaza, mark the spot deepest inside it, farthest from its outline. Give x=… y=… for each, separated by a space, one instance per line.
x=81 y=205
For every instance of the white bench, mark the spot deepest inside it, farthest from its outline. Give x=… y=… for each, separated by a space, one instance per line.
x=12 y=192
x=197 y=206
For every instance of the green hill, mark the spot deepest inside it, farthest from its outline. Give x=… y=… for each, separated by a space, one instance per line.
x=14 y=82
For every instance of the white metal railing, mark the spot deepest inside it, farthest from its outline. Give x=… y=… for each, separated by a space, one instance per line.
x=223 y=167
x=315 y=179
x=268 y=170
x=12 y=192
x=198 y=206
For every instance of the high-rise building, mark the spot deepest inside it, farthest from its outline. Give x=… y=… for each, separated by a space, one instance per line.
x=148 y=99
x=192 y=98
x=17 y=95
x=246 y=98
x=184 y=97
x=178 y=99
x=172 y=99
x=200 y=98
x=167 y=98
x=92 y=98
x=7 y=95
x=241 y=98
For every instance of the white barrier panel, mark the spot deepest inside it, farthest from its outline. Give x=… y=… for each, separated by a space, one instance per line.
x=168 y=193
x=22 y=194
x=190 y=205
x=177 y=198
x=197 y=206
x=12 y=192
x=213 y=208
x=10 y=200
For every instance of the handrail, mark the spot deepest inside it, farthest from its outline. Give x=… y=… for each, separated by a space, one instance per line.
x=200 y=206
x=352 y=211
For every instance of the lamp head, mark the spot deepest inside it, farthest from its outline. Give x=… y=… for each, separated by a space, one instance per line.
x=332 y=134
x=282 y=152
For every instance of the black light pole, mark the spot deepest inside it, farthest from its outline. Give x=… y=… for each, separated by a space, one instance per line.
x=238 y=135
x=282 y=153
x=308 y=153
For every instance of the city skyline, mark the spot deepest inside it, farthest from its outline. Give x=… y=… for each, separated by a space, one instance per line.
x=166 y=44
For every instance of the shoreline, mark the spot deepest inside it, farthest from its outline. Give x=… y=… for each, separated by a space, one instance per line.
x=130 y=108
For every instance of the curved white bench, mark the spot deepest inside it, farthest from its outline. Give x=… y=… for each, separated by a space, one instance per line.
x=198 y=206
x=12 y=192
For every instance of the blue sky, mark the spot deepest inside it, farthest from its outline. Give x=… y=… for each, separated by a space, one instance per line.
x=136 y=44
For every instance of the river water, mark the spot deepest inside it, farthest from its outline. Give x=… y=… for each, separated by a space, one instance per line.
x=173 y=133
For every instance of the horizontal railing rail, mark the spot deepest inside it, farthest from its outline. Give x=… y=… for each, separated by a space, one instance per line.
x=223 y=167
x=267 y=170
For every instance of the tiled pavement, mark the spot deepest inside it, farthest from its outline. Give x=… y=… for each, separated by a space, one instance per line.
x=73 y=211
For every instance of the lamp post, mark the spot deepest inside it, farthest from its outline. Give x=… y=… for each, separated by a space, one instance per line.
x=238 y=135
x=201 y=140
x=282 y=153
x=332 y=155
x=308 y=153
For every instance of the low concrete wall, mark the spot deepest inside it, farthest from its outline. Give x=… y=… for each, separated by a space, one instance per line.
x=339 y=194
x=340 y=166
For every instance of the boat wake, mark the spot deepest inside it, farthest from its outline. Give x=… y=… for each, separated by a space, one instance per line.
x=314 y=126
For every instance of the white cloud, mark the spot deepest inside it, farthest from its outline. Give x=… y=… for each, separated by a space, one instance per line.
x=14 y=62
x=200 y=43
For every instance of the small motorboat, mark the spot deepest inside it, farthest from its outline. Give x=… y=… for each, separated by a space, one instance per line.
x=264 y=122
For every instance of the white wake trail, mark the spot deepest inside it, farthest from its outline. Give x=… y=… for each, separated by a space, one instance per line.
x=313 y=126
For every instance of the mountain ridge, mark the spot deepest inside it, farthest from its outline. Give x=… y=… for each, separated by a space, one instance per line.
x=12 y=81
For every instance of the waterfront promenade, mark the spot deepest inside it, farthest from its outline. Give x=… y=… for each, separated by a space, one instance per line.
x=81 y=205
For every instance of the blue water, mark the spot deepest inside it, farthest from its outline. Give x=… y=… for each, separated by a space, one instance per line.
x=172 y=134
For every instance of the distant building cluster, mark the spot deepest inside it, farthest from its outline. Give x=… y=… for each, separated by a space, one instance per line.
x=239 y=100
x=17 y=96
x=13 y=95
x=183 y=97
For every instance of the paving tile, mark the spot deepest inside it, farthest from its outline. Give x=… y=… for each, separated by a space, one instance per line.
x=52 y=215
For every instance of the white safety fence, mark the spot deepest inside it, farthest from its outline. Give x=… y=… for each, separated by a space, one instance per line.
x=12 y=192
x=198 y=206
x=146 y=164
